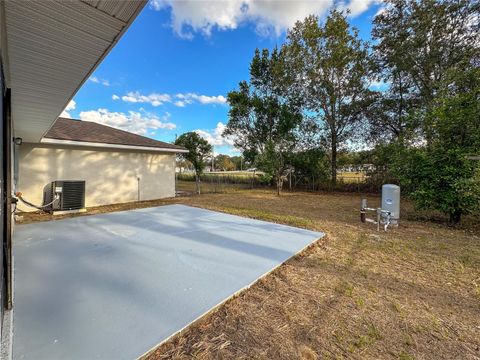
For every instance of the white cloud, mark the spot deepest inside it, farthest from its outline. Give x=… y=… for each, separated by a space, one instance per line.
x=97 y=80
x=202 y=15
x=357 y=7
x=179 y=103
x=154 y=99
x=215 y=137
x=202 y=99
x=66 y=112
x=269 y=16
x=179 y=100
x=135 y=122
x=277 y=16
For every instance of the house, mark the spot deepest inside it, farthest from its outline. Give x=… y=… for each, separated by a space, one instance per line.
x=48 y=49
x=117 y=166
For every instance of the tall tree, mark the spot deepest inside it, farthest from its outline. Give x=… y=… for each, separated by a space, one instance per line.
x=333 y=68
x=199 y=150
x=264 y=118
x=417 y=42
x=428 y=52
x=442 y=175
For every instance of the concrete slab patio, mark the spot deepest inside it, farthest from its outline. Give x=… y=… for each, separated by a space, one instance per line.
x=112 y=286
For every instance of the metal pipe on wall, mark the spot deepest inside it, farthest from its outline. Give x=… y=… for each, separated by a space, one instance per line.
x=138 y=188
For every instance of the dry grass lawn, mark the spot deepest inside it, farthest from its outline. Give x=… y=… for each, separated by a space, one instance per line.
x=410 y=293
x=352 y=177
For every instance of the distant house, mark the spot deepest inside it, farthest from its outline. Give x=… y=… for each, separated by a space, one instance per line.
x=118 y=166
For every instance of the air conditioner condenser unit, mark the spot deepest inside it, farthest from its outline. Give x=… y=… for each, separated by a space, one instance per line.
x=64 y=195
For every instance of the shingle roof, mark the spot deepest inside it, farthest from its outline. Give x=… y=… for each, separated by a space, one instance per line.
x=87 y=131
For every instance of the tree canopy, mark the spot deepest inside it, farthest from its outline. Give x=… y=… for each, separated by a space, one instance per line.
x=264 y=120
x=198 y=151
x=334 y=68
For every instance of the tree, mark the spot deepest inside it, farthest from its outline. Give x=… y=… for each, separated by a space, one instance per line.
x=224 y=163
x=183 y=164
x=441 y=175
x=310 y=166
x=333 y=68
x=428 y=53
x=239 y=163
x=417 y=42
x=198 y=151
x=264 y=117
x=440 y=178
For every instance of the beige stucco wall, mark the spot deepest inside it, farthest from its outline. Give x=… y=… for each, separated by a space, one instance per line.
x=110 y=175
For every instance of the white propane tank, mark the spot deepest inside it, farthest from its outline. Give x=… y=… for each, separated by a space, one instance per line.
x=391 y=201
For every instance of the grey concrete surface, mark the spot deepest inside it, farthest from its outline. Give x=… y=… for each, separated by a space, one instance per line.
x=112 y=286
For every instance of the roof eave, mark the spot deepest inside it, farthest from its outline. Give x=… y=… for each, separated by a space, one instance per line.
x=142 y=4
x=51 y=141
x=42 y=79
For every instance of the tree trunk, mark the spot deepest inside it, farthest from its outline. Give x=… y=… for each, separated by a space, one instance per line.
x=197 y=183
x=279 y=184
x=455 y=217
x=334 y=159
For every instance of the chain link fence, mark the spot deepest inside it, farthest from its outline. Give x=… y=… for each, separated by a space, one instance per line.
x=219 y=182
x=223 y=182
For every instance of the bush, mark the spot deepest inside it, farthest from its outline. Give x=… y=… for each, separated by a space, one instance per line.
x=440 y=179
x=266 y=179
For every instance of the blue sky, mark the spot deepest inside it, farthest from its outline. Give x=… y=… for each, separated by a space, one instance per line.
x=172 y=69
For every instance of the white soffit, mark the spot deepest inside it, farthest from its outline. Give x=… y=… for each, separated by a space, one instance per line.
x=53 y=47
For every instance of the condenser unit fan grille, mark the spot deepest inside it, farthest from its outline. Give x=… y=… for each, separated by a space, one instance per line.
x=73 y=195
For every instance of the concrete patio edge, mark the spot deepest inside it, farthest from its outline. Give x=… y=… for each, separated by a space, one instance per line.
x=233 y=296
x=175 y=252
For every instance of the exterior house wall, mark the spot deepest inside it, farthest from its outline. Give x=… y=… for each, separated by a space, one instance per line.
x=110 y=175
